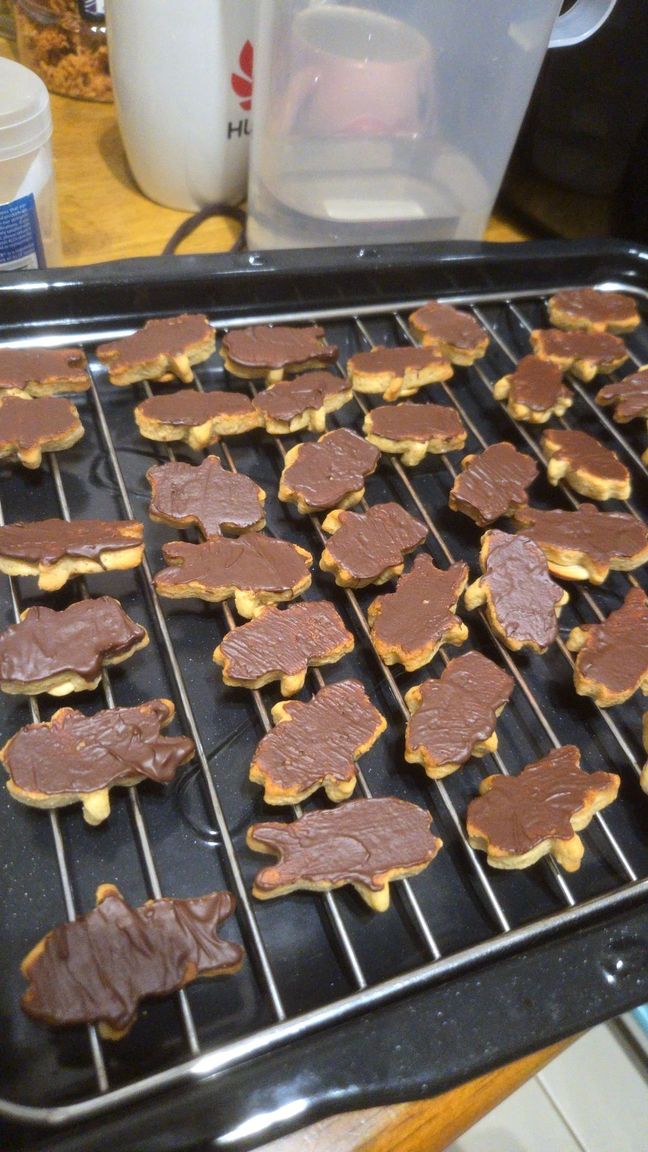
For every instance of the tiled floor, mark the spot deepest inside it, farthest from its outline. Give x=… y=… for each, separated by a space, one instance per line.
x=593 y=1098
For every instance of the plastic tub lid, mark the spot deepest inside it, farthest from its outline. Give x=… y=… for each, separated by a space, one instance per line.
x=25 y=115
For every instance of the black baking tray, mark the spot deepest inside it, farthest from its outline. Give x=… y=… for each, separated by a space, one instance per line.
x=421 y=1025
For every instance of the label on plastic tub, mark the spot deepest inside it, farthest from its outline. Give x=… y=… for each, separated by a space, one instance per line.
x=21 y=245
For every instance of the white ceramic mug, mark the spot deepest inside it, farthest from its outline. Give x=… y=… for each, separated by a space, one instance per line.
x=182 y=77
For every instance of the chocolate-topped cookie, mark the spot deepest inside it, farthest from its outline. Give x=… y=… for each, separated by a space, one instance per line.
x=56 y=550
x=30 y=427
x=586 y=544
x=369 y=547
x=63 y=652
x=454 y=717
x=269 y=351
x=163 y=349
x=282 y=645
x=612 y=661
x=583 y=353
x=409 y=626
x=396 y=373
x=585 y=465
x=456 y=334
x=593 y=310
x=255 y=570
x=303 y=402
x=518 y=819
x=96 y=969
x=199 y=418
x=316 y=744
x=522 y=602
x=413 y=430
x=75 y=759
x=366 y=843
x=629 y=396
x=535 y=391
x=492 y=483
x=43 y=371
x=329 y=473
x=206 y=495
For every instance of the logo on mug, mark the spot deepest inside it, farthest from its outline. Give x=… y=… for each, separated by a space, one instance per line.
x=242 y=85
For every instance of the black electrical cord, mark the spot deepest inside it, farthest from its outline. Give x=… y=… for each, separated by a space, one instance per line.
x=188 y=226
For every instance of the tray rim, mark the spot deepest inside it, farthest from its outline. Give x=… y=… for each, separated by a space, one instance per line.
x=461 y=255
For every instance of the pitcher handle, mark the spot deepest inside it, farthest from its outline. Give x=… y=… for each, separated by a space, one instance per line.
x=583 y=19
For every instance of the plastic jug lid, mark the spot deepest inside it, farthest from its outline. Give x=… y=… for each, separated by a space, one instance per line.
x=25 y=115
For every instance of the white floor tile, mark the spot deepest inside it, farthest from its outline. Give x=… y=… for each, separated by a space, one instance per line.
x=601 y=1093
x=526 y=1122
x=593 y=1098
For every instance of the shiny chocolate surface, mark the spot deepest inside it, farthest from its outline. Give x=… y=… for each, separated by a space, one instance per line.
x=518 y=812
x=77 y=639
x=48 y=541
x=78 y=753
x=359 y=842
x=205 y=494
x=284 y=640
x=366 y=543
x=275 y=346
x=98 y=968
x=169 y=336
x=459 y=709
x=319 y=739
x=326 y=471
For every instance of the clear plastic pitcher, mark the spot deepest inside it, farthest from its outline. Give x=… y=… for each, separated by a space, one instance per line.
x=393 y=120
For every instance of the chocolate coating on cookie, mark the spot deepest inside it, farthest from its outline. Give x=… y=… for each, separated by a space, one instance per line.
x=284 y=642
x=612 y=661
x=593 y=310
x=221 y=567
x=276 y=346
x=42 y=371
x=396 y=360
x=522 y=601
x=537 y=383
x=493 y=483
x=599 y=351
x=454 y=715
x=170 y=334
x=408 y=421
x=74 y=753
x=170 y=344
x=96 y=969
x=30 y=427
x=629 y=396
x=587 y=537
x=442 y=324
x=367 y=544
x=83 y=637
x=207 y=495
x=547 y=802
x=188 y=408
x=290 y=398
x=325 y=473
x=587 y=466
x=535 y=389
x=47 y=541
x=317 y=744
x=362 y=842
x=409 y=625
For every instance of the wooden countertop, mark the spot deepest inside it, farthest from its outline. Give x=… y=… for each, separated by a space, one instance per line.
x=104 y=216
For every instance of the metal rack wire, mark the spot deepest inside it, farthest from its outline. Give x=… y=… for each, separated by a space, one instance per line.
x=506 y=935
